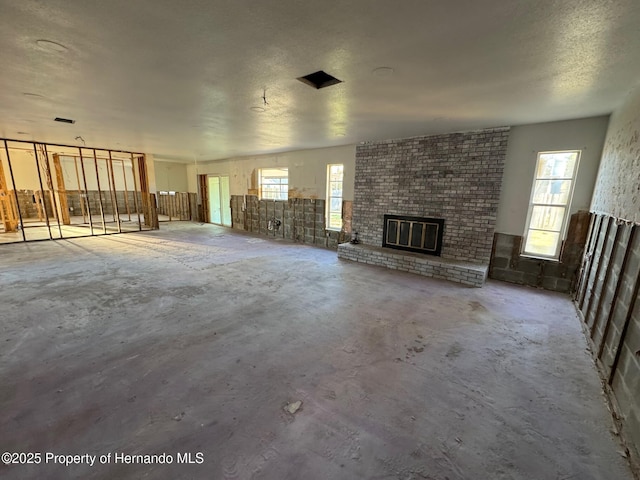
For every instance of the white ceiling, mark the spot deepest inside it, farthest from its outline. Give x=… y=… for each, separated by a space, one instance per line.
x=178 y=78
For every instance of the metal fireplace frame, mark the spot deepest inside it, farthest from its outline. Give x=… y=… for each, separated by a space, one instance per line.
x=418 y=244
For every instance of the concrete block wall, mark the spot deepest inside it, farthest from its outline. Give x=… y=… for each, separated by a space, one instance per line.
x=507 y=263
x=608 y=297
x=455 y=176
x=28 y=207
x=301 y=220
x=74 y=200
x=238 y=212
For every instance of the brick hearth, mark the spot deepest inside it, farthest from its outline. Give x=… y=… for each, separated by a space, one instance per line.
x=467 y=273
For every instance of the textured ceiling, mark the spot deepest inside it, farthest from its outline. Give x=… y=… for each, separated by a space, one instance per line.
x=179 y=78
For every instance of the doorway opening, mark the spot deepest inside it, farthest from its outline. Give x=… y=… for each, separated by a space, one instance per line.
x=219 y=200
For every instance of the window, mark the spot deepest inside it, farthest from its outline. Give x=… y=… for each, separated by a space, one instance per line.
x=550 y=202
x=334 y=196
x=274 y=183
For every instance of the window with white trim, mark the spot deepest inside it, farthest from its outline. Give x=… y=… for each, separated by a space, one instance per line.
x=274 y=183
x=550 y=202
x=335 y=176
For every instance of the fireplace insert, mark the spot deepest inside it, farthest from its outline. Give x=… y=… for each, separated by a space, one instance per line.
x=414 y=234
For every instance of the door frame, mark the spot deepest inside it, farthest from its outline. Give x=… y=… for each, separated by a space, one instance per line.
x=206 y=199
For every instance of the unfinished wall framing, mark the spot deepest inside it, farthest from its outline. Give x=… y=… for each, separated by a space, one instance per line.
x=178 y=206
x=50 y=191
x=607 y=296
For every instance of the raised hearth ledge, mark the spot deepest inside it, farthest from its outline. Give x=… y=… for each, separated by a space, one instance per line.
x=467 y=273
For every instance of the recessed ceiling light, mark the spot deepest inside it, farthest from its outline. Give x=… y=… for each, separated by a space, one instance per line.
x=340 y=134
x=382 y=72
x=51 y=46
x=64 y=120
x=258 y=109
x=319 y=79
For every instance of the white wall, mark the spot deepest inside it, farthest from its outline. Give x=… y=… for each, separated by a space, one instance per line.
x=170 y=176
x=525 y=142
x=617 y=191
x=25 y=171
x=307 y=170
x=71 y=177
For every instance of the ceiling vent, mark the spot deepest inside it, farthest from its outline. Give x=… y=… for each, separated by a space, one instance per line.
x=64 y=120
x=319 y=80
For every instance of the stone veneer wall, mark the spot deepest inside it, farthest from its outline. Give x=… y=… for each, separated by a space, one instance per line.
x=455 y=176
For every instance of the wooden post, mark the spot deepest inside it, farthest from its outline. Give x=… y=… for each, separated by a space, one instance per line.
x=135 y=192
x=144 y=190
x=126 y=192
x=80 y=195
x=204 y=198
x=39 y=196
x=8 y=212
x=114 y=194
x=84 y=179
x=153 y=211
x=619 y=283
x=62 y=191
x=95 y=162
x=15 y=192
x=52 y=193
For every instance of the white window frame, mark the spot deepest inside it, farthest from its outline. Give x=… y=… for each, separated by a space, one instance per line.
x=282 y=192
x=330 y=196
x=567 y=206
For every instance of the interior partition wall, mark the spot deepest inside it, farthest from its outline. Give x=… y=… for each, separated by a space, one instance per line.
x=50 y=191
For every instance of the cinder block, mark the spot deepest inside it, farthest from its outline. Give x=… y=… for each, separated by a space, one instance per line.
x=500 y=262
x=549 y=283
x=509 y=276
x=529 y=265
x=530 y=279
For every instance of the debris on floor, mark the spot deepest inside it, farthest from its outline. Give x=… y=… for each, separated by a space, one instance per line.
x=293 y=407
x=177 y=418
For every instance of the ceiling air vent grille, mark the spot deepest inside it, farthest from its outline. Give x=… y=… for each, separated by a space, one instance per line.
x=64 y=120
x=319 y=79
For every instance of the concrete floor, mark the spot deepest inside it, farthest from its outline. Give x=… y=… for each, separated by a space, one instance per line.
x=37 y=230
x=193 y=339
